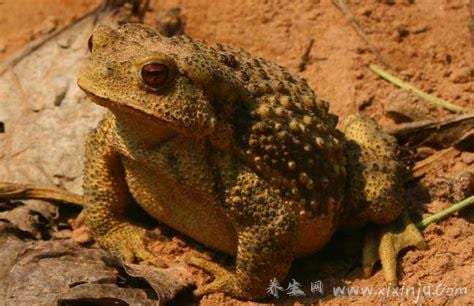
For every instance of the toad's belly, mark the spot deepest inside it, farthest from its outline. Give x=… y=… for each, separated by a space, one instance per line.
x=195 y=214
x=175 y=185
x=184 y=204
x=314 y=234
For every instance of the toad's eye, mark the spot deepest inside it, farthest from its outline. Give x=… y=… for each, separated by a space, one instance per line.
x=154 y=75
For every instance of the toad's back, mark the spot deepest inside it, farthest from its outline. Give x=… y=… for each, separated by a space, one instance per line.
x=281 y=130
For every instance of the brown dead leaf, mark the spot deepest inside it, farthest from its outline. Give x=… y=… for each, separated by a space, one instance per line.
x=29 y=216
x=46 y=121
x=165 y=282
x=45 y=269
x=103 y=294
x=60 y=272
x=45 y=114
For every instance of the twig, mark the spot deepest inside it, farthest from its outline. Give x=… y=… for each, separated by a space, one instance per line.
x=13 y=191
x=424 y=166
x=430 y=98
x=107 y=7
x=445 y=213
x=471 y=21
x=432 y=126
x=305 y=56
x=343 y=8
x=37 y=43
x=455 y=130
x=139 y=9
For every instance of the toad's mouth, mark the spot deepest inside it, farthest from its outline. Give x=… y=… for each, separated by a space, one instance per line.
x=143 y=122
x=124 y=108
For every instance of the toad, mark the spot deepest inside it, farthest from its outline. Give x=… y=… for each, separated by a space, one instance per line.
x=235 y=152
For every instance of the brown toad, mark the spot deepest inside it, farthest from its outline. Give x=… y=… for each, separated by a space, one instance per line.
x=233 y=151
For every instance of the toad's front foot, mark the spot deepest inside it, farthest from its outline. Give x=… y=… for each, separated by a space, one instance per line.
x=128 y=241
x=386 y=245
x=224 y=280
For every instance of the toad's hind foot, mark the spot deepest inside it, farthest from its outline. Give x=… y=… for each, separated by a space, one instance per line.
x=224 y=280
x=387 y=243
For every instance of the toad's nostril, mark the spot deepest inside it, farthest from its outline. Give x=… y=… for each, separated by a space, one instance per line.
x=89 y=43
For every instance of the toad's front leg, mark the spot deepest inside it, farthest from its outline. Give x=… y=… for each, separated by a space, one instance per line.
x=107 y=198
x=266 y=230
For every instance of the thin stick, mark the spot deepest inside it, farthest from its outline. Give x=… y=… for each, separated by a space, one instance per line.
x=445 y=213
x=432 y=99
x=13 y=191
x=139 y=9
x=471 y=21
x=343 y=8
x=404 y=130
x=305 y=57
x=424 y=166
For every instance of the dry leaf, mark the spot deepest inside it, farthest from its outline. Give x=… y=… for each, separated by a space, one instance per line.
x=61 y=272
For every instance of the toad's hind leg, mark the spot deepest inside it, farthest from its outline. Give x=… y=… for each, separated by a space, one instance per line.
x=375 y=194
x=266 y=229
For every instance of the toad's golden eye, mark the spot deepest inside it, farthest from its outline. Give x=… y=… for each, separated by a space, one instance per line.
x=154 y=75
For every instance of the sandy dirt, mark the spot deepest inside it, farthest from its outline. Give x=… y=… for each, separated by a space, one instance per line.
x=24 y=20
x=431 y=44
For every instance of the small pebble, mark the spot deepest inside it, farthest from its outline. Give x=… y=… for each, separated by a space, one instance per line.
x=462 y=75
